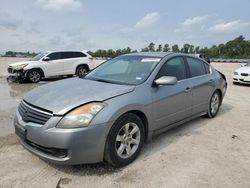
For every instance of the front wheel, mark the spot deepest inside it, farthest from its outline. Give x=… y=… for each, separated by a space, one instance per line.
x=34 y=76
x=214 y=105
x=125 y=140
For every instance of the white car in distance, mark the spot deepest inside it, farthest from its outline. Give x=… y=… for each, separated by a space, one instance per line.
x=242 y=75
x=51 y=64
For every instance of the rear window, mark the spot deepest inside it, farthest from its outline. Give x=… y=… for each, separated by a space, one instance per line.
x=79 y=54
x=67 y=55
x=196 y=67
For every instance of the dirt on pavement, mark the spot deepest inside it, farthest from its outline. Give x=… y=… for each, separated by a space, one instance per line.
x=201 y=153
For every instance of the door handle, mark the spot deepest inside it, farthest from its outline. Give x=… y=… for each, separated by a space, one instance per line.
x=187 y=89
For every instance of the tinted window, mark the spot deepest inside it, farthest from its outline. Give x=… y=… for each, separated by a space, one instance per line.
x=55 y=56
x=196 y=67
x=67 y=55
x=173 y=67
x=79 y=54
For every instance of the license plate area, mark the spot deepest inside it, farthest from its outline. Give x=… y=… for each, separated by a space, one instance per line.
x=20 y=131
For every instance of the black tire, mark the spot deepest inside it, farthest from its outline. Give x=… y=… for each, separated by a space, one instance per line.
x=214 y=104
x=81 y=70
x=34 y=76
x=113 y=145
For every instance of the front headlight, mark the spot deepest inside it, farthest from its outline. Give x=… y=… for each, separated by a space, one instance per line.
x=19 y=67
x=81 y=116
x=236 y=73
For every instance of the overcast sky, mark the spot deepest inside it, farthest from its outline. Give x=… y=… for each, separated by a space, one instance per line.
x=40 y=25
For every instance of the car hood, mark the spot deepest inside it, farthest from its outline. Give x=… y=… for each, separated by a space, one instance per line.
x=243 y=70
x=21 y=63
x=62 y=96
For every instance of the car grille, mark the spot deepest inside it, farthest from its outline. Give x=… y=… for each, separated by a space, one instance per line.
x=33 y=114
x=244 y=74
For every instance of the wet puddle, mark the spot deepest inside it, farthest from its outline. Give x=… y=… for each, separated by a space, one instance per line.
x=10 y=96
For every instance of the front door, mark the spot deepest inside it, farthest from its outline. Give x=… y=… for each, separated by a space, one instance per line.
x=172 y=103
x=53 y=67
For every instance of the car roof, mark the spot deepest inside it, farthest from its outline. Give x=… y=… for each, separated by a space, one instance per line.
x=150 y=54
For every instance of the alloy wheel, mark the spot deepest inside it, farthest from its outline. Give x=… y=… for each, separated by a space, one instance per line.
x=215 y=102
x=34 y=76
x=82 y=71
x=128 y=140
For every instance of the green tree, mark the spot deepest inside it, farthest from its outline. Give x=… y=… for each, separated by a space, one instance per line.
x=159 y=49
x=191 y=49
x=166 y=48
x=197 y=49
x=146 y=49
x=175 y=48
x=186 y=48
x=151 y=47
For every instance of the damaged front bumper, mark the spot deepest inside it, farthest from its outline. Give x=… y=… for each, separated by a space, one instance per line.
x=16 y=75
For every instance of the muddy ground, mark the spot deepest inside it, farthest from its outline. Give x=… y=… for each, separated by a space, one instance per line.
x=201 y=153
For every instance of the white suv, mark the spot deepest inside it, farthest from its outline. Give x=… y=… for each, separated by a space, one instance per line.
x=50 y=64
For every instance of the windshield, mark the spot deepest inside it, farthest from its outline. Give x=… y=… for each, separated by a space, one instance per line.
x=38 y=57
x=130 y=70
x=247 y=65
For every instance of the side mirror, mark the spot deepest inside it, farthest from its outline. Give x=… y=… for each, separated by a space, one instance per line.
x=166 y=80
x=46 y=59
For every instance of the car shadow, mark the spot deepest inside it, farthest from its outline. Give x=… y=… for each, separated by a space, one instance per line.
x=156 y=144
x=240 y=85
x=190 y=128
x=100 y=169
x=56 y=78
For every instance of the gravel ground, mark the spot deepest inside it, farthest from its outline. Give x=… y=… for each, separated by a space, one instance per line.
x=201 y=153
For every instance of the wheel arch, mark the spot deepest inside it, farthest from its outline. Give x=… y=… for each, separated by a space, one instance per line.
x=220 y=93
x=143 y=118
x=36 y=68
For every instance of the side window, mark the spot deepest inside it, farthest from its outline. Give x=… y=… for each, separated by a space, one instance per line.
x=55 y=56
x=196 y=67
x=79 y=54
x=66 y=55
x=173 y=67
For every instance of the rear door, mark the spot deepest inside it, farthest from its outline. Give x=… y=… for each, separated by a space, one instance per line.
x=202 y=84
x=68 y=59
x=172 y=103
x=72 y=60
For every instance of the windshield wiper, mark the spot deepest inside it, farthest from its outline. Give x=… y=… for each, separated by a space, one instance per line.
x=105 y=81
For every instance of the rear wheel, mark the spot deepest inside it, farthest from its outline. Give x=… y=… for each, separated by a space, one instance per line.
x=125 y=140
x=81 y=71
x=34 y=76
x=214 y=105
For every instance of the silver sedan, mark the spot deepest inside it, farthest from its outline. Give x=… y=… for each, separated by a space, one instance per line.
x=110 y=113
